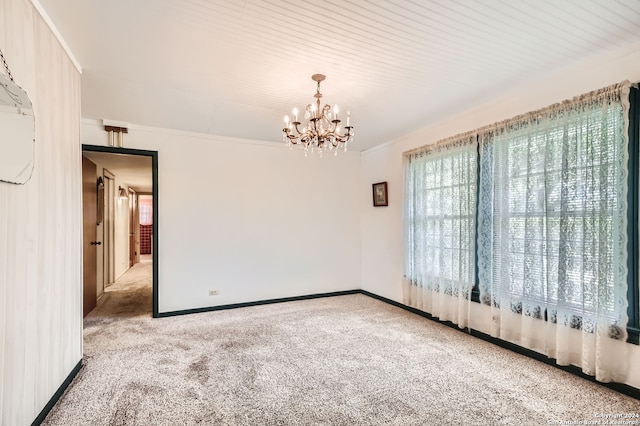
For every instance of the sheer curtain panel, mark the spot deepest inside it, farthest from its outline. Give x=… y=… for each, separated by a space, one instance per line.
x=440 y=205
x=552 y=223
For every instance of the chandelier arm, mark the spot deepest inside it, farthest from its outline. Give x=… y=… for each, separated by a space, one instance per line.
x=315 y=126
x=343 y=136
x=295 y=126
x=335 y=123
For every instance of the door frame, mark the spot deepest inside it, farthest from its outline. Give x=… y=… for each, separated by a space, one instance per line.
x=89 y=236
x=154 y=193
x=134 y=229
x=108 y=231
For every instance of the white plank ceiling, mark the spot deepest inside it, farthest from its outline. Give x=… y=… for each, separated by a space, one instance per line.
x=235 y=68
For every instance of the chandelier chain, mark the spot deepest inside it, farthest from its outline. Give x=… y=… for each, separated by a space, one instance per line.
x=6 y=66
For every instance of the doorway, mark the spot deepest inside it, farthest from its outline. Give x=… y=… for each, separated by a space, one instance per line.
x=89 y=235
x=134 y=228
x=145 y=226
x=107 y=229
x=125 y=174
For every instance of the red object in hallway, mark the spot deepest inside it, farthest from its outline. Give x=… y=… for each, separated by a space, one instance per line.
x=146 y=231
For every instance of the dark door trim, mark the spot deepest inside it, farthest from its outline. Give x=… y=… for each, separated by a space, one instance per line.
x=156 y=223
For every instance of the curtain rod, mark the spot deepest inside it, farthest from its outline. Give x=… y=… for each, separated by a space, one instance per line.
x=614 y=88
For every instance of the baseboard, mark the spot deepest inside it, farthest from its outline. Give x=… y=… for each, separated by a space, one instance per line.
x=257 y=303
x=618 y=387
x=56 y=396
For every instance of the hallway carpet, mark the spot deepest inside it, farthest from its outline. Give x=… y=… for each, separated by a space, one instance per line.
x=348 y=360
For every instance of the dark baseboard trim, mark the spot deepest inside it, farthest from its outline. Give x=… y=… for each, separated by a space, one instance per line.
x=56 y=396
x=256 y=303
x=619 y=387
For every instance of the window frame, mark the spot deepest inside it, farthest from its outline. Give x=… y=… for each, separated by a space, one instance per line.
x=633 y=289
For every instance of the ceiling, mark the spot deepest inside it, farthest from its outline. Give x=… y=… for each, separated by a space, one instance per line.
x=131 y=170
x=236 y=68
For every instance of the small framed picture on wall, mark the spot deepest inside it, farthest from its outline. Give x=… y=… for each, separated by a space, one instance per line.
x=380 y=196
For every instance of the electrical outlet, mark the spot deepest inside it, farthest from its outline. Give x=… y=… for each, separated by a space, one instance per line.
x=213 y=292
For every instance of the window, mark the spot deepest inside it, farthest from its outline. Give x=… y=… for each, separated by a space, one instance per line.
x=146 y=209
x=555 y=239
x=440 y=211
x=554 y=250
x=145 y=214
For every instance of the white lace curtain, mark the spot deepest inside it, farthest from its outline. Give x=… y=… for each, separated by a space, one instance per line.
x=552 y=227
x=551 y=230
x=440 y=208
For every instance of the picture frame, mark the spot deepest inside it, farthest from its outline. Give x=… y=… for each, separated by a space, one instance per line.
x=380 y=194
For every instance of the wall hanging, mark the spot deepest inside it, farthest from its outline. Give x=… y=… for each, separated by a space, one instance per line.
x=17 y=130
x=380 y=197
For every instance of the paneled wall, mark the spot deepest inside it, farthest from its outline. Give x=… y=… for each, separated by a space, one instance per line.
x=40 y=225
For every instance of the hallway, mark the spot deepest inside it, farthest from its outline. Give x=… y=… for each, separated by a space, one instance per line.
x=130 y=296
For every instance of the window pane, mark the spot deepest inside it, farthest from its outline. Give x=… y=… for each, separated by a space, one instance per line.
x=440 y=211
x=551 y=213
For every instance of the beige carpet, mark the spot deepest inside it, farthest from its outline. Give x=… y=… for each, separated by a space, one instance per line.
x=348 y=360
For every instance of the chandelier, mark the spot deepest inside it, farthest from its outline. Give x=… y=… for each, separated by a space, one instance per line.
x=322 y=131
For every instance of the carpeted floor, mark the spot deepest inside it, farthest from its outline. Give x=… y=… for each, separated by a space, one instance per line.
x=348 y=360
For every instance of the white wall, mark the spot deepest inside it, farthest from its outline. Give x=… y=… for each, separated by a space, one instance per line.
x=382 y=228
x=40 y=225
x=250 y=219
